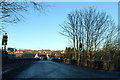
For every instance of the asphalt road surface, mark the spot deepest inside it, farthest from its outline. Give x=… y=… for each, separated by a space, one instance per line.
x=50 y=69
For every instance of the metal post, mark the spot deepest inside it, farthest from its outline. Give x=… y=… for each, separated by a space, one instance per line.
x=80 y=58
x=4 y=47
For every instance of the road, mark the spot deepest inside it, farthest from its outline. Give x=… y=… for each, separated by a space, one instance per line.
x=50 y=69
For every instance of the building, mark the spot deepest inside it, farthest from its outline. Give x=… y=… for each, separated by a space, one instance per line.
x=11 y=50
x=44 y=51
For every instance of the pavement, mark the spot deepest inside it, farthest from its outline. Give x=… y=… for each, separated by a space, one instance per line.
x=50 y=69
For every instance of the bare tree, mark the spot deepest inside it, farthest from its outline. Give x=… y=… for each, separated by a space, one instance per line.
x=11 y=12
x=89 y=27
x=71 y=30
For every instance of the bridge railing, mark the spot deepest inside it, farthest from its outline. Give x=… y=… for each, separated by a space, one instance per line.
x=103 y=65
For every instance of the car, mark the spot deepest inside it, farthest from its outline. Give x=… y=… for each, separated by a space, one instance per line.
x=43 y=57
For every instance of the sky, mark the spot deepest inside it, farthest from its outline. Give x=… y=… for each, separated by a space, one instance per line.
x=41 y=31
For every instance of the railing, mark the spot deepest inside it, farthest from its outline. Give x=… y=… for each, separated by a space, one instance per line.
x=103 y=65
